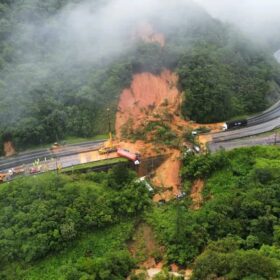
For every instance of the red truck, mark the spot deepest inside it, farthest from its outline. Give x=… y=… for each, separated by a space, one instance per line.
x=135 y=157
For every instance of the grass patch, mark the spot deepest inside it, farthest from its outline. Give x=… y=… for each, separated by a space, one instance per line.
x=76 y=140
x=95 y=164
x=67 y=141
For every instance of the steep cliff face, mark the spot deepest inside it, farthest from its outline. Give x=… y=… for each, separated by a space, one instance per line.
x=148 y=95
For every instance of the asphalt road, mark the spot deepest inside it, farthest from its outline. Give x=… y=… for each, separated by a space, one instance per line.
x=66 y=152
x=268 y=115
x=245 y=142
x=258 y=124
x=266 y=126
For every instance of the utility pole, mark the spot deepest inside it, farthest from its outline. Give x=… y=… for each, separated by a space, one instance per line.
x=108 y=118
x=275 y=138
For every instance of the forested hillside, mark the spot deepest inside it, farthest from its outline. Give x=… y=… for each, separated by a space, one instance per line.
x=234 y=233
x=54 y=85
x=80 y=226
x=84 y=220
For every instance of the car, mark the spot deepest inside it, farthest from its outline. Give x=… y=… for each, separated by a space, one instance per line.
x=196 y=148
x=181 y=195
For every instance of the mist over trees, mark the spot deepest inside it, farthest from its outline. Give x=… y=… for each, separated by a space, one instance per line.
x=62 y=63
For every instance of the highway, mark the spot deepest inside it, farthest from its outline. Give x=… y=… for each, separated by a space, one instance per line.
x=258 y=124
x=67 y=152
x=273 y=139
x=243 y=137
x=260 y=128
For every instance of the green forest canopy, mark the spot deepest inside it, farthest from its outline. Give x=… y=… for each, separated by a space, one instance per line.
x=235 y=234
x=47 y=215
x=221 y=73
x=77 y=227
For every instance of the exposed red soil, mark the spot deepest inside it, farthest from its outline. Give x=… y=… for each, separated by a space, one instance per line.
x=150 y=98
x=168 y=177
x=146 y=32
x=145 y=98
x=9 y=149
x=196 y=194
x=153 y=98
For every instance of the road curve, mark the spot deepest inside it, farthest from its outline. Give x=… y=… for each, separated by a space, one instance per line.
x=247 y=131
x=245 y=142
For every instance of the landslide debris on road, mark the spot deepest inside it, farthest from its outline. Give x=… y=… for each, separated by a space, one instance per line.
x=150 y=110
x=149 y=99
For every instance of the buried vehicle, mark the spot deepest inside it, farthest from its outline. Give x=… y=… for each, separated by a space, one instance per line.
x=135 y=157
x=146 y=183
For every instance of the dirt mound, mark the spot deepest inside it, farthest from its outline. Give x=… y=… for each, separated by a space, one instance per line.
x=146 y=32
x=145 y=98
x=168 y=177
x=9 y=149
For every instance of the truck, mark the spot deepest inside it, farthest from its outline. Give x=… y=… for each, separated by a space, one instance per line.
x=234 y=124
x=135 y=157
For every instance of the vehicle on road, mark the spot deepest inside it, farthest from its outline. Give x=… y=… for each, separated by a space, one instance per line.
x=55 y=146
x=108 y=146
x=107 y=150
x=235 y=124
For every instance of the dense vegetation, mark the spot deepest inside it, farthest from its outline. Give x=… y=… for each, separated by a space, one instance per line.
x=48 y=93
x=76 y=227
x=238 y=223
x=224 y=81
x=46 y=214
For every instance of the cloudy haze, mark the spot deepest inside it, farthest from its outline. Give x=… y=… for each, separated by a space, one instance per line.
x=85 y=31
x=258 y=18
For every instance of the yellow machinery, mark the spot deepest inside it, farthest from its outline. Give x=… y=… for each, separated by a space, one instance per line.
x=108 y=146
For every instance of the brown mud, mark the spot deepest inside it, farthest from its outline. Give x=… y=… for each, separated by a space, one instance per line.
x=196 y=194
x=9 y=149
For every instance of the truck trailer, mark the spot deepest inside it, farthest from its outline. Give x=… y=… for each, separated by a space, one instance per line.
x=135 y=157
x=235 y=124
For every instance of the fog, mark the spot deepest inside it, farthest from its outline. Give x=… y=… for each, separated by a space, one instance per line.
x=96 y=32
x=86 y=31
x=259 y=19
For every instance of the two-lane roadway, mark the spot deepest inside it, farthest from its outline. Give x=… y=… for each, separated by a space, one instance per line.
x=29 y=157
x=258 y=124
